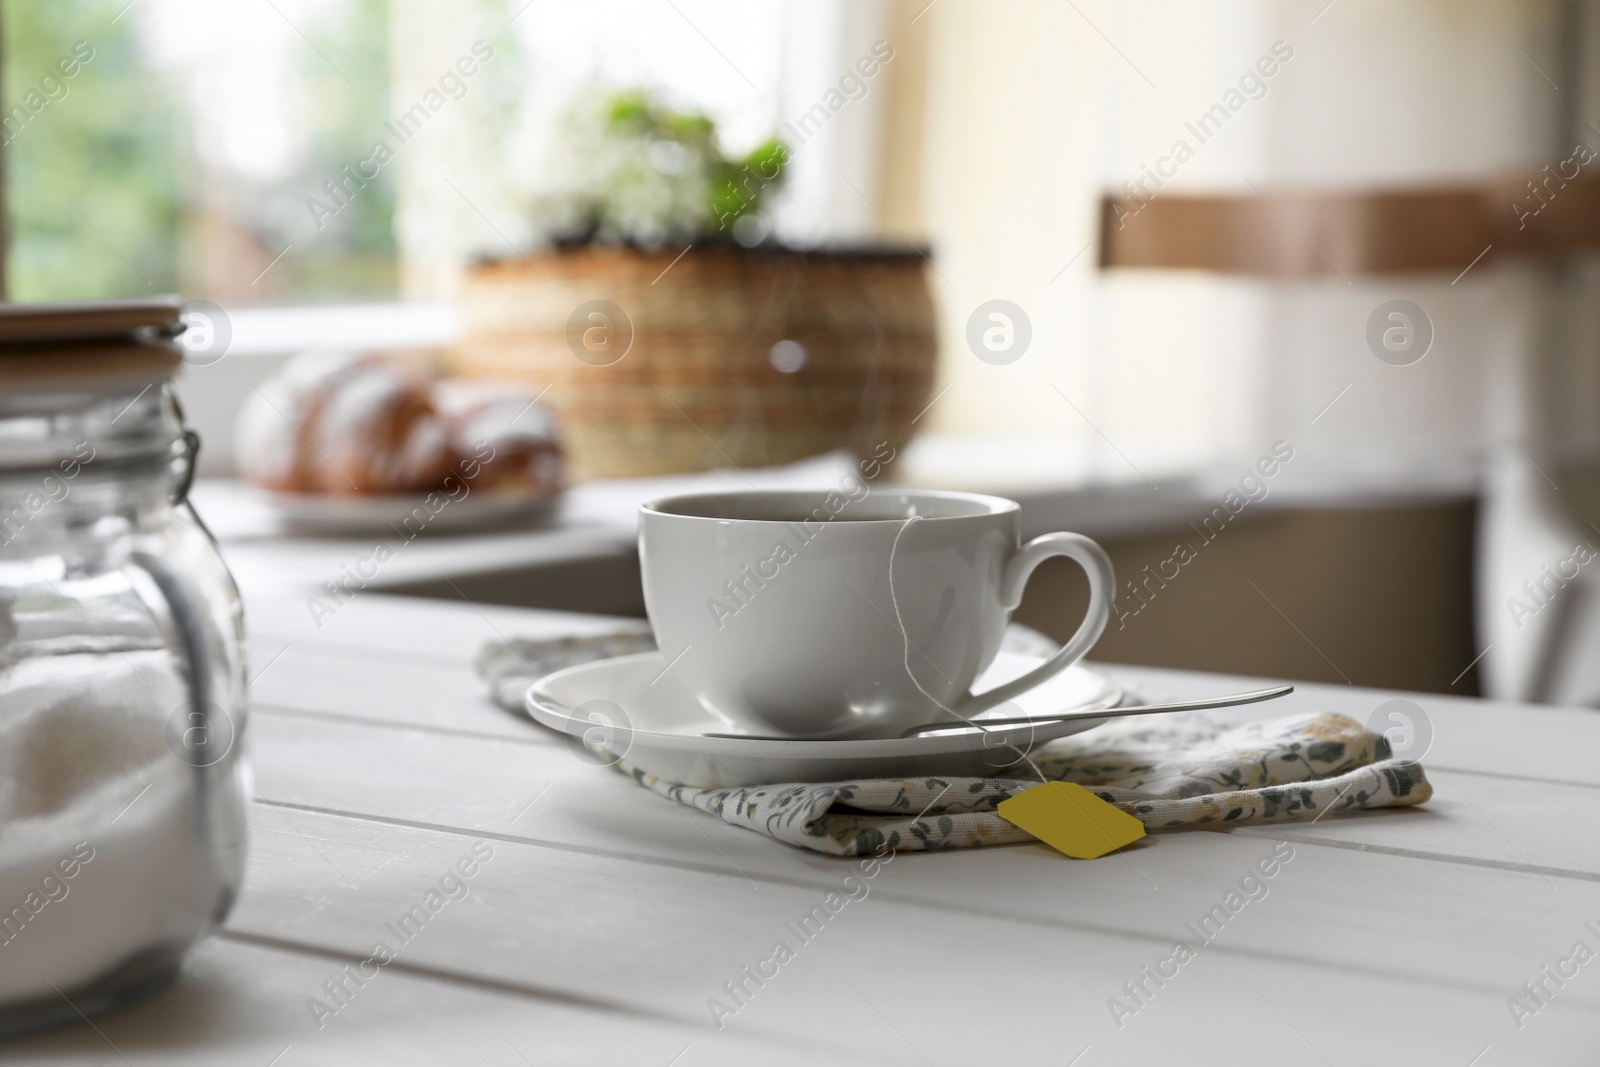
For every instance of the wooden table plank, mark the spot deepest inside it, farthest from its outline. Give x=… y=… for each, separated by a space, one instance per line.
x=398 y=625
x=1354 y=927
x=485 y=784
x=1534 y=742
x=1488 y=737
x=1043 y=890
x=607 y=916
x=397 y=690
x=246 y=1004
x=543 y=791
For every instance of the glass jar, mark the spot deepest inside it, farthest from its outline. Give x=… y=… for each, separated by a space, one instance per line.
x=122 y=680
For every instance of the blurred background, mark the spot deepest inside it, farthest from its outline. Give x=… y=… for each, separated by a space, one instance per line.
x=1294 y=305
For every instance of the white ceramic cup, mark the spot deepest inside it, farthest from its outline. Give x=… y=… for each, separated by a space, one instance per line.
x=847 y=614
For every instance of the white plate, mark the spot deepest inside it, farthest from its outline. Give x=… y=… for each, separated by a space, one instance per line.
x=333 y=513
x=627 y=708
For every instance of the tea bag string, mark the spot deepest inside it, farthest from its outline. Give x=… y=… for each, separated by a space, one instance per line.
x=908 y=648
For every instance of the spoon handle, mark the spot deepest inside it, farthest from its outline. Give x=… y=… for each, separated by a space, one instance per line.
x=1230 y=700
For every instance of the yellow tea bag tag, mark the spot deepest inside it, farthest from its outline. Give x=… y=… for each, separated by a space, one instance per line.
x=1071 y=819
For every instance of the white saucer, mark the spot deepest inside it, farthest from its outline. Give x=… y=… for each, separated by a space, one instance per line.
x=627 y=708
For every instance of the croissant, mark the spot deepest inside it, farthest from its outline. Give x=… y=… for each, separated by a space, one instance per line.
x=358 y=425
x=505 y=424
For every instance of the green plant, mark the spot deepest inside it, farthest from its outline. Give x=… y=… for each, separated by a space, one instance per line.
x=629 y=169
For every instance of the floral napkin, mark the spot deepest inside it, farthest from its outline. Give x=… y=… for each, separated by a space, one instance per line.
x=1170 y=772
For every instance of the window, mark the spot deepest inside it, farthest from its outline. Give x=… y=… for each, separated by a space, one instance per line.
x=230 y=150
x=169 y=145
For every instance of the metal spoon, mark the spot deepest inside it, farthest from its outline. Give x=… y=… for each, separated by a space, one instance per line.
x=1254 y=696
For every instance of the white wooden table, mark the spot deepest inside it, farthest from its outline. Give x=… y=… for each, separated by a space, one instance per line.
x=607 y=916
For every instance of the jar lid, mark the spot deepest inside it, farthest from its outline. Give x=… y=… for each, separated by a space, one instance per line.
x=104 y=344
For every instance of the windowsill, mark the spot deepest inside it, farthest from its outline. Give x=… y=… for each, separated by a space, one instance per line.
x=277 y=331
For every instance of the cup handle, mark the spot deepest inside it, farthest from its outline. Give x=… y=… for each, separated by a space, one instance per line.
x=1102 y=589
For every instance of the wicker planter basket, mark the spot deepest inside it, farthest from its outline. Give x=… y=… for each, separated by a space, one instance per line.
x=700 y=384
